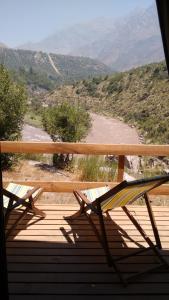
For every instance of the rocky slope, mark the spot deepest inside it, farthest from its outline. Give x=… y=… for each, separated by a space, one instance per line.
x=139 y=97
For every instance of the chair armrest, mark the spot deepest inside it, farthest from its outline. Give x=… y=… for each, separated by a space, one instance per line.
x=31 y=192
x=80 y=195
x=28 y=195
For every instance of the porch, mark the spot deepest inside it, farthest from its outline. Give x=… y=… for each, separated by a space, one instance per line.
x=60 y=258
x=57 y=258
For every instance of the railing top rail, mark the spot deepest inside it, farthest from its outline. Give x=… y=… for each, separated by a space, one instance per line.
x=70 y=186
x=84 y=148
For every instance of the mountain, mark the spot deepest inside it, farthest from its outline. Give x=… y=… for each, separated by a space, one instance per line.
x=139 y=97
x=2 y=45
x=68 y=40
x=48 y=70
x=122 y=44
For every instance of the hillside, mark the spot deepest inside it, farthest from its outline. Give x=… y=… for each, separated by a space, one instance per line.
x=122 y=44
x=46 y=71
x=139 y=97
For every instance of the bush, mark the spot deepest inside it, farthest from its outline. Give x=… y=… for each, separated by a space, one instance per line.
x=12 y=110
x=66 y=123
x=95 y=168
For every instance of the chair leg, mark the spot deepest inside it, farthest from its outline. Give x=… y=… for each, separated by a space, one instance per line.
x=139 y=228
x=104 y=239
x=81 y=209
x=38 y=211
x=110 y=260
x=153 y=222
x=35 y=210
x=146 y=238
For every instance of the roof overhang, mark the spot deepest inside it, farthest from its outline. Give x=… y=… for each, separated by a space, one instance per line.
x=163 y=15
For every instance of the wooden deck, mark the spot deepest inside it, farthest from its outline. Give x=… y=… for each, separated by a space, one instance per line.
x=57 y=258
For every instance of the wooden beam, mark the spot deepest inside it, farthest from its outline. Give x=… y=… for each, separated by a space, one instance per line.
x=121 y=163
x=68 y=187
x=81 y=148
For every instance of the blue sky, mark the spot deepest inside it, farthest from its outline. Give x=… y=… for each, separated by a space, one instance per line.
x=32 y=20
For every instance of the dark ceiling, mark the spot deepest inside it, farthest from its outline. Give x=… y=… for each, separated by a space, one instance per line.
x=163 y=14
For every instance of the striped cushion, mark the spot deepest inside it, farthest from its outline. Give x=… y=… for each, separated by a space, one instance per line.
x=127 y=195
x=92 y=194
x=18 y=190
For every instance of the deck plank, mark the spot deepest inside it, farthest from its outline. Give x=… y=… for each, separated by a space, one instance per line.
x=46 y=262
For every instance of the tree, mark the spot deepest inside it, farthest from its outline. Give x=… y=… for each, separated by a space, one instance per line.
x=67 y=123
x=12 y=110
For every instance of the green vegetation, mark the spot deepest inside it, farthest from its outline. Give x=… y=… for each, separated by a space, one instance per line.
x=33 y=119
x=12 y=110
x=114 y=84
x=65 y=123
x=139 y=97
x=35 y=69
x=96 y=168
x=151 y=166
x=34 y=79
x=33 y=115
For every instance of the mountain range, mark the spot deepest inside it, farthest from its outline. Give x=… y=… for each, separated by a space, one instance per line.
x=128 y=42
x=40 y=69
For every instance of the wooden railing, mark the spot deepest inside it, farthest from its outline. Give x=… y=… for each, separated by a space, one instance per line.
x=90 y=149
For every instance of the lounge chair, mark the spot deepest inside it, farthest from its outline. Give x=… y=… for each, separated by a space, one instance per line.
x=100 y=200
x=23 y=198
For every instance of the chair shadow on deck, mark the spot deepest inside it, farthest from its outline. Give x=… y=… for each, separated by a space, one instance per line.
x=118 y=234
x=23 y=224
x=61 y=257
x=21 y=200
x=120 y=244
x=101 y=200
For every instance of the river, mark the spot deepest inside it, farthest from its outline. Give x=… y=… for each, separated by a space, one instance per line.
x=104 y=131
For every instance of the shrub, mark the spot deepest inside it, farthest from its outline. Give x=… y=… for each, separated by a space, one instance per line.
x=66 y=123
x=95 y=168
x=12 y=110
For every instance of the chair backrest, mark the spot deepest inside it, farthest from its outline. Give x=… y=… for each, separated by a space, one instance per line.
x=94 y=193
x=127 y=192
x=18 y=190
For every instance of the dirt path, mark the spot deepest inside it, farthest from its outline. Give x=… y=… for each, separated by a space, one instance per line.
x=31 y=133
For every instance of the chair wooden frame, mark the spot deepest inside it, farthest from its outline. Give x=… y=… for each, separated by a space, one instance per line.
x=27 y=201
x=95 y=207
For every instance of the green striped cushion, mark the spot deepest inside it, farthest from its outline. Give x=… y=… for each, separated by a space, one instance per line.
x=18 y=190
x=92 y=194
x=127 y=195
x=123 y=197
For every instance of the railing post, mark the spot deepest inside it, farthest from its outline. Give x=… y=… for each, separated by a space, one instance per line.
x=3 y=260
x=120 y=173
